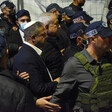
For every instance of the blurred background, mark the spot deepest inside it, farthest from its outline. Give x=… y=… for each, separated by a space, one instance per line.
x=95 y=8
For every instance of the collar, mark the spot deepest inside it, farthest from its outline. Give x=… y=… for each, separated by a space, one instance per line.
x=88 y=56
x=39 y=51
x=22 y=35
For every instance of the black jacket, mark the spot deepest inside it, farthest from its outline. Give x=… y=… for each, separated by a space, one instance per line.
x=75 y=8
x=52 y=56
x=14 y=97
x=27 y=60
x=62 y=39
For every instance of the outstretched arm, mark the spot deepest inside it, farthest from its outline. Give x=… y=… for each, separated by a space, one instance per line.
x=46 y=105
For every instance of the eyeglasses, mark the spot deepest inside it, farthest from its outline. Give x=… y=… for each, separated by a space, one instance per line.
x=23 y=20
x=43 y=34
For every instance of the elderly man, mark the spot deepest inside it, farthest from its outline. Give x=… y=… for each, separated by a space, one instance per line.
x=28 y=59
x=51 y=52
x=83 y=85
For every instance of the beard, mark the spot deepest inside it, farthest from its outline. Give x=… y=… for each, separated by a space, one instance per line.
x=81 y=4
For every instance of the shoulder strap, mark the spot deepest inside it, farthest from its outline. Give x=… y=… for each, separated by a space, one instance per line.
x=83 y=60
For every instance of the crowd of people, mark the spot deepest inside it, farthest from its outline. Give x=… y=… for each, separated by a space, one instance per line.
x=62 y=62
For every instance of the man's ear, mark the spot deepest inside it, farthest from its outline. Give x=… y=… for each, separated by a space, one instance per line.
x=17 y=23
x=79 y=40
x=110 y=21
x=46 y=26
x=7 y=52
x=63 y=17
x=33 y=38
x=92 y=38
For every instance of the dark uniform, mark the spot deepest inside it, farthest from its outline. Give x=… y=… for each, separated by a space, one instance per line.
x=52 y=56
x=75 y=8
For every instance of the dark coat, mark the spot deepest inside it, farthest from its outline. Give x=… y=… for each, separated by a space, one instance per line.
x=62 y=39
x=14 y=37
x=14 y=97
x=27 y=60
x=52 y=56
x=14 y=41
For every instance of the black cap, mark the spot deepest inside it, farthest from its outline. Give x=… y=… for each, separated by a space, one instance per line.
x=77 y=29
x=68 y=11
x=81 y=15
x=53 y=7
x=21 y=13
x=109 y=15
x=98 y=27
x=8 y=4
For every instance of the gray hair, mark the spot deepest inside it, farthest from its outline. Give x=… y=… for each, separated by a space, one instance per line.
x=32 y=30
x=45 y=18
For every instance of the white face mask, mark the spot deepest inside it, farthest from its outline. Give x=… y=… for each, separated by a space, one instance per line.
x=22 y=25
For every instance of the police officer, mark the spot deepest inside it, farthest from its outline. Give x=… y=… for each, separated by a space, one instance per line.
x=109 y=18
x=8 y=13
x=67 y=14
x=62 y=37
x=77 y=80
x=78 y=40
x=110 y=5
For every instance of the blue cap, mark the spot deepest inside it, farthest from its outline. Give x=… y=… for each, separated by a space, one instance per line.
x=22 y=13
x=8 y=4
x=77 y=29
x=109 y=15
x=53 y=7
x=100 y=28
x=81 y=15
x=68 y=11
x=2 y=43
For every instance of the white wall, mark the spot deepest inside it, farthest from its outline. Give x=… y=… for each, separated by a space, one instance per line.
x=96 y=8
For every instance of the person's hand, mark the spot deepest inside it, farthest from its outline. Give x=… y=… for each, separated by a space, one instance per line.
x=19 y=48
x=47 y=106
x=24 y=75
x=62 y=51
x=57 y=79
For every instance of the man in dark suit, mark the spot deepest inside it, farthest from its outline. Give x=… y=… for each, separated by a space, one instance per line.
x=28 y=59
x=14 y=96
